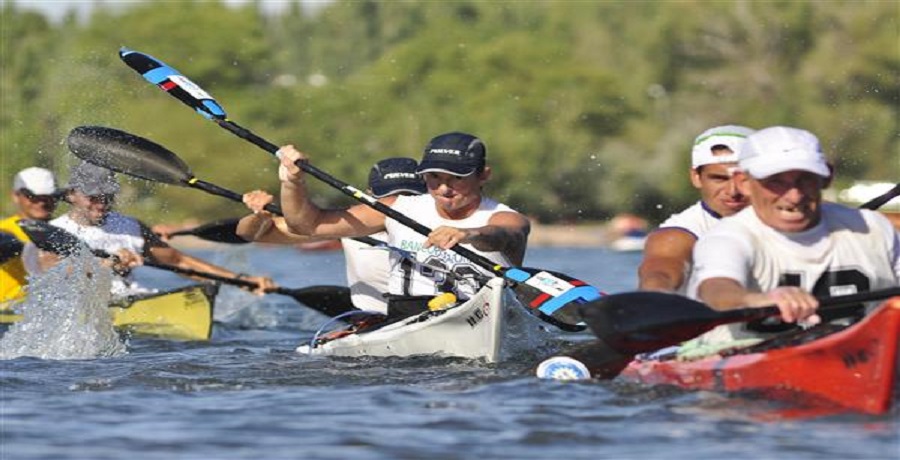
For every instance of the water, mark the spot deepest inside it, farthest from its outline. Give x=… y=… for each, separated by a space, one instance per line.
x=248 y=395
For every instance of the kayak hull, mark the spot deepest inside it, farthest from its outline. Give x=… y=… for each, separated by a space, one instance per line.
x=490 y=326
x=855 y=368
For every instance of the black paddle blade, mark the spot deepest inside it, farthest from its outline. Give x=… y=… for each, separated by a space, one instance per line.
x=10 y=247
x=220 y=231
x=640 y=322
x=128 y=154
x=51 y=239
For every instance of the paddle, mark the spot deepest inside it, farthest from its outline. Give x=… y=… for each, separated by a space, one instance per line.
x=220 y=231
x=879 y=201
x=126 y=153
x=10 y=247
x=329 y=300
x=136 y=156
x=553 y=297
x=644 y=321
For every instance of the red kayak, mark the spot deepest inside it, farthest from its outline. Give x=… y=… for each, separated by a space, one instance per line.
x=855 y=368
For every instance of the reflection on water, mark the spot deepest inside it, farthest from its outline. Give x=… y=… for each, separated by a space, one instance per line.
x=66 y=315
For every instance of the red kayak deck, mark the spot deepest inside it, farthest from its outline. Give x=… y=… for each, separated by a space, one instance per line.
x=855 y=368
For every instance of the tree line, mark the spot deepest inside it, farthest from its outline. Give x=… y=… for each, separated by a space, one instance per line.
x=588 y=109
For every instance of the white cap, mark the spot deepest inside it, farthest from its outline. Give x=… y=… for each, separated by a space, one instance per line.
x=778 y=149
x=731 y=136
x=38 y=181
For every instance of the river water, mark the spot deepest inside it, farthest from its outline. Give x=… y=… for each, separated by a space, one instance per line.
x=247 y=395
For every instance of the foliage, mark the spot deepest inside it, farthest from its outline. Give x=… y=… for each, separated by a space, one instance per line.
x=587 y=108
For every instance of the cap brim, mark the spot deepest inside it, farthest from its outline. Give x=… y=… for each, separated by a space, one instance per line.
x=764 y=169
x=378 y=192
x=456 y=170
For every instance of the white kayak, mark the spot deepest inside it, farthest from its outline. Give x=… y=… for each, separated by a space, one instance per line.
x=492 y=326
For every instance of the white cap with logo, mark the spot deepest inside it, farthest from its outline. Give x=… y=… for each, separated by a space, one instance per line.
x=731 y=136
x=779 y=149
x=38 y=181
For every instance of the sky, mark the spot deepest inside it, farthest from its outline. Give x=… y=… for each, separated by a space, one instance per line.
x=56 y=9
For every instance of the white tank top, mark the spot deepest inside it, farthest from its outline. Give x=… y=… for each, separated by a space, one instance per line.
x=368 y=271
x=117 y=232
x=696 y=220
x=428 y=275
x=850 y=251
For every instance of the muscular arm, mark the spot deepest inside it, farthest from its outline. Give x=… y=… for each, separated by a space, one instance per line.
x=269 y=229
x=667 y=254
x=304 y=217
x=506 y=232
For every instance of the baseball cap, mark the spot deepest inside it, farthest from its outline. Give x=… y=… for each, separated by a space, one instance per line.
x=38 y=181
x=93 y=180
x=731 y=136
x=395 y=175
x=455 y=153
x=778 y=149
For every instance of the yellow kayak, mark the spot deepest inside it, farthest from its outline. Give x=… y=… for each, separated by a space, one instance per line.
x=184 y=313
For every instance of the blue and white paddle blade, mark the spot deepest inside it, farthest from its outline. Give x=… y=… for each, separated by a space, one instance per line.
x=171 y=81
x=554 y=297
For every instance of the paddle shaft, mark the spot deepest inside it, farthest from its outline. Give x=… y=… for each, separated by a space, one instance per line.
x=216 y=190
x=356 y=194
x=825 y=304
x=879 y=201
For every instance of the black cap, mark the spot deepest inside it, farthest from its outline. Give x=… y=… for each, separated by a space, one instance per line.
x=395 y=175
x=460 y=154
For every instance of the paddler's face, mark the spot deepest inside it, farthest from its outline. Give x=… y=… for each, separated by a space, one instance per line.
x=36 y=207
x=788 y=202
x=91 y=209
x=456 y=196
x=718 y=188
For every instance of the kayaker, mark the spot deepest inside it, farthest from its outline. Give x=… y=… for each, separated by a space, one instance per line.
x=91 y=194
x=455 y=171
x=35 y=197
x=789 y=247
x=667 y=252
x=368 y=267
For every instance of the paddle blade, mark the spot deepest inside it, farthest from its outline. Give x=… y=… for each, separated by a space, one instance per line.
x=220 y=231
x=640 y=322
x=51 y=239
x=10 y=247
x=553 y=297
x=128 y=154
x=171 y=81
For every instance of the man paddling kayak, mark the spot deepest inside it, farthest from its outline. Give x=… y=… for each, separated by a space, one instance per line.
x=368 y=267
x=790 y=247
x=667 y=252
x=35 y=196
x=455 y=172
x=91 y=193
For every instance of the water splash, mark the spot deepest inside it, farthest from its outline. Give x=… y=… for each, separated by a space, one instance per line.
x=66 y=314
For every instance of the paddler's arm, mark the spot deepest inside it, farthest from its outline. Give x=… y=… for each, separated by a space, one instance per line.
x=161 y=252
x=263 y=227
x=667 y=254
x=506 y=232
x=303 y=217
x=794 y=303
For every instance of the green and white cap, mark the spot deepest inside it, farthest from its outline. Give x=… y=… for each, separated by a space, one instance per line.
x=730 y=136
